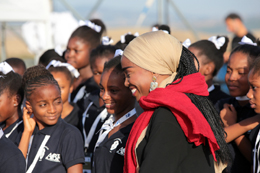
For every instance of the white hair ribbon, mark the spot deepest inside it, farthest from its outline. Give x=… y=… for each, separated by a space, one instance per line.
x=123 y=37
x=5 y=67
x=55 y=63
x=118 y=52
x=154 y=29
x=107 y=41
x=219 y=42
x=186 y=43
x=58 y=50
x=136 y=34
x=246 y=40
x=90 y=24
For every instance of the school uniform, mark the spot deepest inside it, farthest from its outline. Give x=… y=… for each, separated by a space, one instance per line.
x=83 y=89
x=109 y=155
x=239 y=163
x=11 y=158
x=216 y=94
x=14 y=131
x=62 y=147
x=74 y=117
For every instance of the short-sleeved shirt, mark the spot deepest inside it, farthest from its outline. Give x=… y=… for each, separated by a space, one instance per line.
x=63 y=149
x=14 y=131
x=239 y=163
x=237 y=39
x=11 y=158
x=74 y=117
x=109 y=155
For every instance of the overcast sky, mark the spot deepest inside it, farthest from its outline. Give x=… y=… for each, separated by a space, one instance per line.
x=200 y=13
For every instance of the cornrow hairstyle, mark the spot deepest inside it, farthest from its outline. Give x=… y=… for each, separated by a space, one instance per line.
x=48 y=56
x=165 y=28
x=63 y=70
x=102 y=51
x=233 y=16
x=186 y=67
x=12 y=82
x=250 y=50
x=211 y=53
x=88 y=35
x=128 y=39
x=114 y=63
x=35 y=77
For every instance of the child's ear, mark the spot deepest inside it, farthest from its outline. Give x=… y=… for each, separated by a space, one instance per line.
x=28 y=106
x=16 y=99
x=71 y=89
x=210 y=67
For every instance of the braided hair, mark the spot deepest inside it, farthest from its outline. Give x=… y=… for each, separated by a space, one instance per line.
x=35 y=77
x=186 y=67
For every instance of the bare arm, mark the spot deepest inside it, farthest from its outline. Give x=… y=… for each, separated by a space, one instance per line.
x=29 y=125
x=78 y=168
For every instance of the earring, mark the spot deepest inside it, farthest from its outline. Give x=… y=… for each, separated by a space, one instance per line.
x=153 y=84
x=15 y=105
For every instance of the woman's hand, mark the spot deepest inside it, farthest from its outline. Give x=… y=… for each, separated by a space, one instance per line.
x=29 y=123
x=228 y=115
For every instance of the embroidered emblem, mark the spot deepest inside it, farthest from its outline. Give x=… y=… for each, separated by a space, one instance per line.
x=117 y=141
x=43 y=152
x=121 y=151
x=53 y=157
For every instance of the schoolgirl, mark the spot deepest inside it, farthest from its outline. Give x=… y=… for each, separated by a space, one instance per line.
x=64 y=74
x=125 y=40
x=210 y=56
x=17 y=64
x=95 y=113
x=82 y=41
x=48 y=143
x=118 y=99
x=241 y=58
x=48 y=56
x=11 y=97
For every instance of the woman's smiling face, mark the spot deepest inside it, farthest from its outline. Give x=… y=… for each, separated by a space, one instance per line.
x=137 y=78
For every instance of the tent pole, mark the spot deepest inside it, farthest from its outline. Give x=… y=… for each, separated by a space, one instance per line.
x=3 y=33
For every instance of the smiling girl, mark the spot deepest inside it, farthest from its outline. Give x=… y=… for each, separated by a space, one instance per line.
x=48 y=143
x=118 y=99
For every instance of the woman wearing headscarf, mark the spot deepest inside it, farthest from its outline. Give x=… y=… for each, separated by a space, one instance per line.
x=179 y=131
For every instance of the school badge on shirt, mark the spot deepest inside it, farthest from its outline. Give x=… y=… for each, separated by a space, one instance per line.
x=117 y=141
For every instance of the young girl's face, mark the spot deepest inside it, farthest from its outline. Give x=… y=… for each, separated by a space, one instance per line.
x=97 y=68
x=65 y=85
x=7 y=108
x=254 y=91
x=46 y=105
x=117 y=98
x=237 y=74
x=77 y=53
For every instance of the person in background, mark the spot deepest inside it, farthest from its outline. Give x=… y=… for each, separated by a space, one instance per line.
x=17 y=64
x=210 y=56
x=48 y=56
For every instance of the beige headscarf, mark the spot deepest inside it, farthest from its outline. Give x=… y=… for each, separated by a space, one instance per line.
x=157 y=52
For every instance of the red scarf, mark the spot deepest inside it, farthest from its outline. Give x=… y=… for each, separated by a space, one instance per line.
x=191 y=120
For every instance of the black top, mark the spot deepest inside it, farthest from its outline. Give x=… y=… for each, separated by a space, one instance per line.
x=11 y=158
x=15 y=132
x=165 y=148
x=217 y=94
x=237 y=39
x=92 y=114
x=109 y=155
x=239 y=163
x=90 y=85
x=74 y=117
x=63 y=149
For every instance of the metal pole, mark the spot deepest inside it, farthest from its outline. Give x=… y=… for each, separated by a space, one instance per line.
x=166 y=6
x=73 y=11
x=94 y=9
x=3 y=50
x=186 y=23
x=160 y=16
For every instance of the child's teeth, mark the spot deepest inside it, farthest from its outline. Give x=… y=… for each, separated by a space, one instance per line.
x=133 y=91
